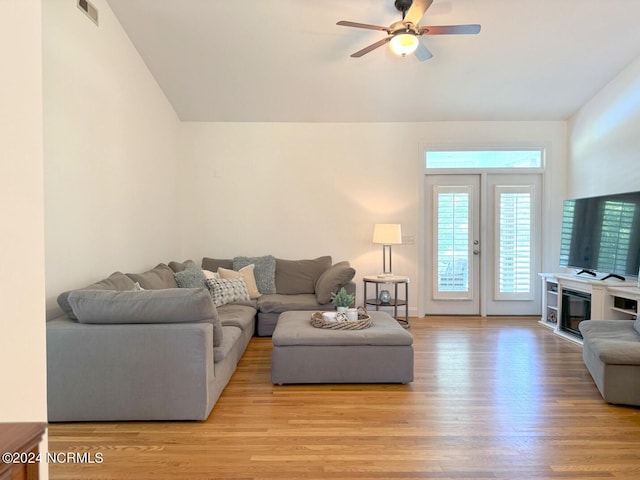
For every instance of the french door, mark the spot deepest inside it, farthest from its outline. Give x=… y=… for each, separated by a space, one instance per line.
x=482 y=244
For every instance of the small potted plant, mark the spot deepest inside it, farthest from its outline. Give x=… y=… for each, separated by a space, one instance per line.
x=342 y=300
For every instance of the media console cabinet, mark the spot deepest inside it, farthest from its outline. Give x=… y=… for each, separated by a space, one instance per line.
x=598 y=299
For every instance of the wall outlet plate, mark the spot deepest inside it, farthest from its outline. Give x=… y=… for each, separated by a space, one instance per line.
x=408 y=239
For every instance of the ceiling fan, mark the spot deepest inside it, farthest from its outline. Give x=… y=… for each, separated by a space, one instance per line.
x=403 y=35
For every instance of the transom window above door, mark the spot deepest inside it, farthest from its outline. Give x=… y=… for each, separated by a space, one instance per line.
x=484 y=159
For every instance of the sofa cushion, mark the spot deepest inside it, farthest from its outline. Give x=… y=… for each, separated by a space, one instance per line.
x=159 y=277
x=265 y=271
x=212 y=264
x=331 y=280
x=231 y=337
x=115 y=281
x=278 y=303
x=179 y=266
x=172 y=305
x=299 y=276
x=249 y=278
x=191 y=277
x=228 y=290
x=237 y=315
x=615 y=342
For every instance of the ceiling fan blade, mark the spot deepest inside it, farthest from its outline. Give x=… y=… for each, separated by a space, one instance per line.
x=416 y=11
x=373 y=46
x=422 y=53
x=450 y=30
x=346 y=23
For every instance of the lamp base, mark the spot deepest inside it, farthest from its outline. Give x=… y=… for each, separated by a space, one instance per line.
x=385 y=275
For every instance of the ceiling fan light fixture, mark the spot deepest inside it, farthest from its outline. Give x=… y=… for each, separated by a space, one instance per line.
x=404 y=43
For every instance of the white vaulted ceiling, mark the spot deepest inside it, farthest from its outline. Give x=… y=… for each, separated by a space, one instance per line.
x=288 y=61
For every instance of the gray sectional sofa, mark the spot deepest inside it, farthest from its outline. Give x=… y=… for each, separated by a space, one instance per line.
x=611 y=353
x=297 y=285
x=160 y=345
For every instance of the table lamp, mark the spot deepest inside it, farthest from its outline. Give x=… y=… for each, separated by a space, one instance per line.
x=387 y=234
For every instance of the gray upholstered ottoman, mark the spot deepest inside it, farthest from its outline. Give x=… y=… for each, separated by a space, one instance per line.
x=382 y=353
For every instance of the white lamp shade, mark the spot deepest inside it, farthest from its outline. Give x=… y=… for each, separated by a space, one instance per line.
x=404 y=43
x=387 y=233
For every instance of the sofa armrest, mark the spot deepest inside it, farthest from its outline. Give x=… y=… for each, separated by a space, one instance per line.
x=129 y=372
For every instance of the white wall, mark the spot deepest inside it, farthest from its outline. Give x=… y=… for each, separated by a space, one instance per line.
x=127 y=185
x=22 y=333
x=22 y=344
x=304 y=190
x=111 y=149
x=605 y=139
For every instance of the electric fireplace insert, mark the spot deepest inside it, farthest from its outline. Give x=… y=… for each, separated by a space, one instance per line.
x=576 y=307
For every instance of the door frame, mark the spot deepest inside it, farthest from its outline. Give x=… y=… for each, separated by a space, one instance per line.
x=424 y=147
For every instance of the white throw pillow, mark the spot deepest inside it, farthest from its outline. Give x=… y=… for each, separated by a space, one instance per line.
x=210 y=274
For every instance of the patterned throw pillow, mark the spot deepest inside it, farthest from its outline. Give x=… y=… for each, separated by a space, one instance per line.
x=228 y=290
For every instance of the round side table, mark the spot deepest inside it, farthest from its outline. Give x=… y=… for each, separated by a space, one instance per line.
x=394 y=302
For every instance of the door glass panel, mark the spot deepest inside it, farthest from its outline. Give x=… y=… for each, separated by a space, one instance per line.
x=514 y=261
x=452 y=240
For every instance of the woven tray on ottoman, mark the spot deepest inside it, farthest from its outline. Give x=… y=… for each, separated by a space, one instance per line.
x=382 y=353
x=319 y=321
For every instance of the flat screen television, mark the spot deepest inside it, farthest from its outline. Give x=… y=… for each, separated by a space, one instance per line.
x=601 y=235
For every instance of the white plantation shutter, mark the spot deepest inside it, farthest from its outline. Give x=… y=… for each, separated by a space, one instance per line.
x=514 y=250
x=452 y=205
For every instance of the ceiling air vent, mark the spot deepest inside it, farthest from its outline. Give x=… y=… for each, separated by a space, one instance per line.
x=89 y=10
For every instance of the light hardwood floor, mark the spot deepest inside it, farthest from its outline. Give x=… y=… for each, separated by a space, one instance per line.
x=493 y=398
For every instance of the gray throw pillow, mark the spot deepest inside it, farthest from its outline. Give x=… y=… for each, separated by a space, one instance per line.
x=265 y=271
x=191 y=277
x=171 y=305
x=332 y=280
